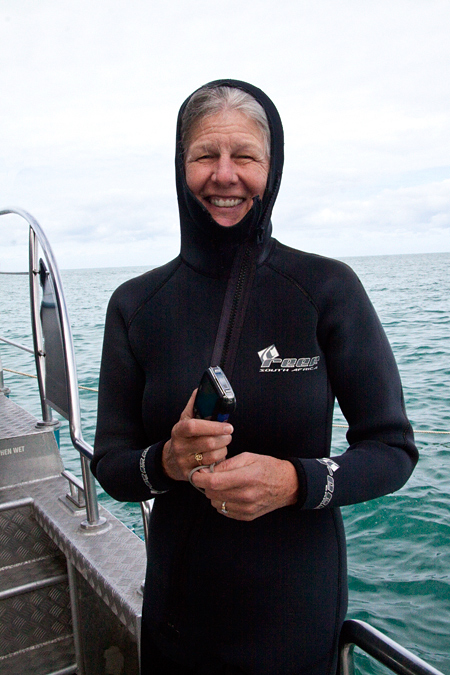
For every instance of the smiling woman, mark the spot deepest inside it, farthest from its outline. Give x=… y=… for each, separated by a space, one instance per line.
x=247 y=576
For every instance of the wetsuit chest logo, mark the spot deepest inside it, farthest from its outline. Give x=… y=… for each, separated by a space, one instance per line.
x=272 y=362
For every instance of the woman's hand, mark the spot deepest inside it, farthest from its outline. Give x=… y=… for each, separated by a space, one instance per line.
x=191 y=436
x=250 y=485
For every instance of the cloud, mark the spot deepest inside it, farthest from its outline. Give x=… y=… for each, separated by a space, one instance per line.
x=412 y=209
x=404 y=220
x=91 y=93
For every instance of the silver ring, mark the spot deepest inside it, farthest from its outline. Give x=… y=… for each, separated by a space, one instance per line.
x=224 y=508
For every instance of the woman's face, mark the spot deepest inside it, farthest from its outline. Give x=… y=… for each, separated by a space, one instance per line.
x=226 y=165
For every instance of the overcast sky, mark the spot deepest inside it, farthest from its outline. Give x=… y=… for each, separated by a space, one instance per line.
x=90 y=91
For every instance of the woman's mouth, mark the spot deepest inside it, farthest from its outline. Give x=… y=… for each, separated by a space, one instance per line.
x=225 y=202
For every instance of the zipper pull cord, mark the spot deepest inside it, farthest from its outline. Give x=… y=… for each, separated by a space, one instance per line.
x=261 y=228
x=260 y=234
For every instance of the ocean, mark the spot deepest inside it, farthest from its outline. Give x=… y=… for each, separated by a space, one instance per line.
x=399 y=545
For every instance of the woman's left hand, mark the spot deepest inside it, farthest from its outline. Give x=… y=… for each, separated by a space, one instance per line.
x=249 y=485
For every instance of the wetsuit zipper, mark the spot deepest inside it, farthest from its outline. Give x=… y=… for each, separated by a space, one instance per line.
x=244 y=272
x=245 y=267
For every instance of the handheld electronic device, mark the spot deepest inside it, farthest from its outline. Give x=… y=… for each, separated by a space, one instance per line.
x=215 y=398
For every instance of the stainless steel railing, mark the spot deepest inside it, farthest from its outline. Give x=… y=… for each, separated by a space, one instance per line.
x=398 y=659
x=37 y=238
x=3 y=389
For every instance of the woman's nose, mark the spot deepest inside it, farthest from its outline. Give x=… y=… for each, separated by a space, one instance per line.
x=224 y=171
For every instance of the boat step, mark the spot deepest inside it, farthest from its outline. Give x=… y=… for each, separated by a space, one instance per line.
x=21 y=537
x=56 y=657
x=35 y=614
x=32 y=575
x=71 y=670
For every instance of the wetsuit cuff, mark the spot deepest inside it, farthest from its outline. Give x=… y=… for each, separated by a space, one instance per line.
x=302 y=481
x=152 y=470
x=320 y=481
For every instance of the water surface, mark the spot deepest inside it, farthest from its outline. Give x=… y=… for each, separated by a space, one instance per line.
x=399 y=545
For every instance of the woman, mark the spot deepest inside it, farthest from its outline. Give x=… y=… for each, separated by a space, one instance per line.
x=249 y=577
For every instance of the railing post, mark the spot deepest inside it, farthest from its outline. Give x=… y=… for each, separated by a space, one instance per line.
x=38 y=342
x=346 y=661
x=93 y=519
x=3 y=389
x=146 y=510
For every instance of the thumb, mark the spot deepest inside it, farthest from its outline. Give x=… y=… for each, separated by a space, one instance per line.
x=188 y=412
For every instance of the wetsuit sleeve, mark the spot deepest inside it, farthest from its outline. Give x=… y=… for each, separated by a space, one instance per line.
x=122 y=464
x=364 y=377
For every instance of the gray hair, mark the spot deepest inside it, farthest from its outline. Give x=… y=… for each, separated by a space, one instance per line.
x=209 y=101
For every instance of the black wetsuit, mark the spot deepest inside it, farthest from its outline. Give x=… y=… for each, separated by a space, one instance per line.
x=268 y=596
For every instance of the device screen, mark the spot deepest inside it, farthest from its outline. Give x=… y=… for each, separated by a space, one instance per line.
x=206 y=400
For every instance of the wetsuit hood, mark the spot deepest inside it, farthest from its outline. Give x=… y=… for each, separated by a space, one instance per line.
x=206 y=245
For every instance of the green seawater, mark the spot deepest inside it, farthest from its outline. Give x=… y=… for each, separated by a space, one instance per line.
x=399 y=545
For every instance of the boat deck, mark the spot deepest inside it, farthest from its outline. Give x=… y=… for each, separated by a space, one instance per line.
x=64 y=590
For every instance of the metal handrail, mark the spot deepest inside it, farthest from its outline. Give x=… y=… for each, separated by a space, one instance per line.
x=38 y=238
x=16 y=344
x=392 y=655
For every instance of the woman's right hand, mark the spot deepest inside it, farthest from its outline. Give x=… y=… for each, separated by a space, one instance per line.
x=191 y=436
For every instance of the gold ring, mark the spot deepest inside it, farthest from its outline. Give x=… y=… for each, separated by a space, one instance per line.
x=199 y=457
x=224 y=508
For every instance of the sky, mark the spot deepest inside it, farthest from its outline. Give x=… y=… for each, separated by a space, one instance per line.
x=90 y=91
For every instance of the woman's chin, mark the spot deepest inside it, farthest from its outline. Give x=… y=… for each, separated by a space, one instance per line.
x=227 y=219
x=225 y=222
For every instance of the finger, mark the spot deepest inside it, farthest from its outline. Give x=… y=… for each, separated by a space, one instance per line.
x=188 y=412
x=206 y=444
x=234 y=510
x=223 y=486
x=211 y=457
x=238 y=462
x=222 y=506
x=189 y=428
x=238 y=474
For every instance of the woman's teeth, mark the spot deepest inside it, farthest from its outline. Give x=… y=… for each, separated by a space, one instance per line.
x=217 y=201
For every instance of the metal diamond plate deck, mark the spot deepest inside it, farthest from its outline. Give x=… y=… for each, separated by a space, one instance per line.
x=22 y=538
x=27 y=452
x=112 y=562
x=44 y=567
x=42 y=660
x=34 y=618
x=14 y=421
